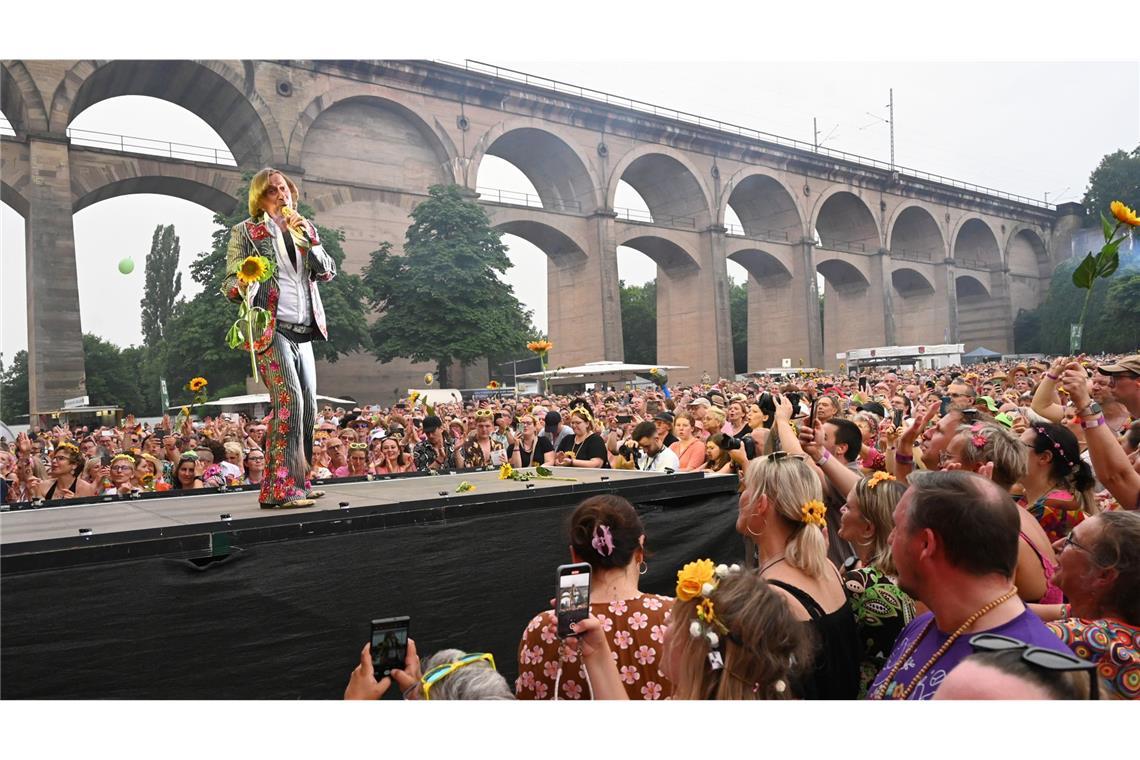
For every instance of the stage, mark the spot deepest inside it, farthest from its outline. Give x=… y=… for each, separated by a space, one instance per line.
x=208 y=596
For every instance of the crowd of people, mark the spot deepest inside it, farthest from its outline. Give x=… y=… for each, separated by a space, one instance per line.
x=910 y=534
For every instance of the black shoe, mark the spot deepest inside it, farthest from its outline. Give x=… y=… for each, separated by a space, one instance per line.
x=269 y=506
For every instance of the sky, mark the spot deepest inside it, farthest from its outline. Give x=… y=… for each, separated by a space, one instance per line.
x=1032 y=128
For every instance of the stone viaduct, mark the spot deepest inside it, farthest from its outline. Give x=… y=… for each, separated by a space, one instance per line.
x=908 y=258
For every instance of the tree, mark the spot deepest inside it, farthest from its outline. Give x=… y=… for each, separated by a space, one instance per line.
x=110 y=379
x=163 y=284
x=443 y=301
x=1116 y=178
x=639 y=322
x=1121 y=307
x=14 y=388
x=738 y=309
x=195 y=343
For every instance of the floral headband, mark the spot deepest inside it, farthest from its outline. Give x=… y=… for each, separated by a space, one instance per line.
x=583 y=411
x=700 y=579
x=879 y=477
x=1056 y=447
x=814 y=513
x=67 y=445
x=126 y=457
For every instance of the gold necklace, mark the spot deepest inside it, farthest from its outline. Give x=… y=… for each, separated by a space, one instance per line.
x=882 y=690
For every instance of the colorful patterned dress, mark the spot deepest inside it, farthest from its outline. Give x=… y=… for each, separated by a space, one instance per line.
x=1113 y=645
x=1057 y=511
x=636 y=632
x=881 y=610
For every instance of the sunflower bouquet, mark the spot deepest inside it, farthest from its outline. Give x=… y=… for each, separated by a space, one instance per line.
x=252 y=320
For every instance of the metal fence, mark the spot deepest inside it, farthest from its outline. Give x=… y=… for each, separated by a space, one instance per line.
x=150 y=147
x=776 y=236
x=637 y=216
x=499 y=72
x=515 y=198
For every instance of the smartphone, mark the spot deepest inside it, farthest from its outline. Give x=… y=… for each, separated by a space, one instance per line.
x=898 y=418
x=389 y=644
x=624 y=419
x=572 y=595
x=811 y=415
x=945 y=407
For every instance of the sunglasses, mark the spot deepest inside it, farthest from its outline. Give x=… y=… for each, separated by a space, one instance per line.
x=1044 y=659
x=440 y=672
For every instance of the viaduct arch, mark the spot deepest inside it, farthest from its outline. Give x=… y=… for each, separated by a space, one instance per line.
x=906 y=258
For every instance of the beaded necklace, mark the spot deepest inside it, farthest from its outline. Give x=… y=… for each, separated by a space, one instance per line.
x=882 y=690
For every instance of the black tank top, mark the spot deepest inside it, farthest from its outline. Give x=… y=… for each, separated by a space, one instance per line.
x=835 y=672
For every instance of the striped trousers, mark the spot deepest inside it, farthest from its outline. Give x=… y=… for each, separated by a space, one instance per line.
x=289 y=372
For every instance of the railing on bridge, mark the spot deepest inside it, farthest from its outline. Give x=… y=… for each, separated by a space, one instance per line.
x=150 y=147
x=909 y=254
x=843 y=245
x=515 y=198
x=979 y=264
x=637 y=216
x=775 y=236
x=500 y=72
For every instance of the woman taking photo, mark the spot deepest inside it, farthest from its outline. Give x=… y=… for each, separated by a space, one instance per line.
x=782 y=512
x=718 y=455
x=393 y=459
x=881 y=608
x=1057 y=488
x=606 y=532
x=740 y=642
x=586 y=447
x=688 y=448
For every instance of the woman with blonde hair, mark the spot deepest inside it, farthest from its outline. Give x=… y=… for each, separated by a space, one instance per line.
x=881 y=608
x=586 y=447
x=782 y=512
x=732 y=637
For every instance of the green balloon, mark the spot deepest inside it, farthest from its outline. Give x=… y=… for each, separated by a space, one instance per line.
x=127 y=265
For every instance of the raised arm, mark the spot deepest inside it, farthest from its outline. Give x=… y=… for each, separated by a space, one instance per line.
x=1109 y=461
x=1046 y=402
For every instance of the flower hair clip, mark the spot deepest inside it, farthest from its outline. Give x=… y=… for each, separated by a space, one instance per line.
x=879 y=477
x=814 y=513
x=701 y=579
x=603 y=540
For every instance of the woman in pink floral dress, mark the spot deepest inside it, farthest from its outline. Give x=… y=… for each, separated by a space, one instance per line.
x=606 y=532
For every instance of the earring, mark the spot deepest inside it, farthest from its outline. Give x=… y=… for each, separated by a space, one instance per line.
x=642 y=568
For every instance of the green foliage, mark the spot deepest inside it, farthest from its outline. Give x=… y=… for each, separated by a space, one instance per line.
x=1122 y=312
x=738 y=309
x=442 y=301
x=1116 y=178
x=1109 y=325
x=639 y=322
x=14 y=388
x=163 y=284
x=112 y=377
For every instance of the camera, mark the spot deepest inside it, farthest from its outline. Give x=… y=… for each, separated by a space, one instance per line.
x=630 y=451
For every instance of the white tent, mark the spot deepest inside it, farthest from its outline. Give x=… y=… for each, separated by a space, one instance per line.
x=260 y=402
x=598 y=372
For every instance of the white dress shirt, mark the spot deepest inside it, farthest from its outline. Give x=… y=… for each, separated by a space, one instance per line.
x=293 y=283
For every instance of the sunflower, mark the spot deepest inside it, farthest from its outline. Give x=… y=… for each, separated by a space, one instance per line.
x=493 y=385
x=196 y=384
x=539 y=346
x=253 y=269
x=705 y=611
x=429 y=379
x=1124 y=214
x=814 y=513
x=506 y=471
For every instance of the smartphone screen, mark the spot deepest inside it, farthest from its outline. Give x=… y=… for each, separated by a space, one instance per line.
x=389 y=644
x=572 y=596
x=624 y=419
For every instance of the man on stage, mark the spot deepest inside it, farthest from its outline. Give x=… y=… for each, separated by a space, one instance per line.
x=284 y=351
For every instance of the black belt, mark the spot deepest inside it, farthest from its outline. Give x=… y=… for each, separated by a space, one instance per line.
x=295 y=328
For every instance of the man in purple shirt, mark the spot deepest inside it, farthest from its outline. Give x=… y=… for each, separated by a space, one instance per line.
x=955 y=546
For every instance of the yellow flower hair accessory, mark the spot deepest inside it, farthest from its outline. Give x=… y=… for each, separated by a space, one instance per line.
x=814 y=513
x=701 y=579
x=879 y=477
x=67 y=445
x=127 y=457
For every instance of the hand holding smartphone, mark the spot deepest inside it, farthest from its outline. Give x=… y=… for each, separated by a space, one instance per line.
x=389 y=644
x=572 y=596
